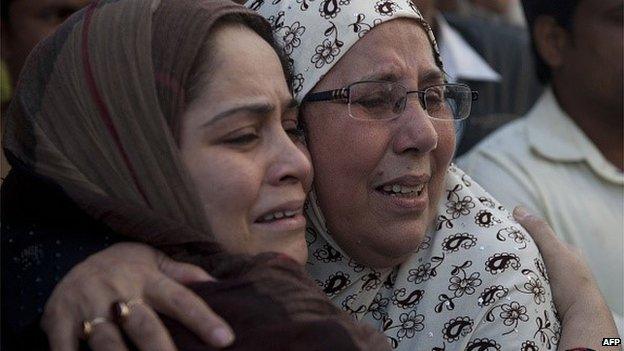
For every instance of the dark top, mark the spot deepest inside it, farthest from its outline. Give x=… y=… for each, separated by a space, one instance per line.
x=43 y=236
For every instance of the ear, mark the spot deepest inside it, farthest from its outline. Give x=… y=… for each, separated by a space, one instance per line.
x=550 y=40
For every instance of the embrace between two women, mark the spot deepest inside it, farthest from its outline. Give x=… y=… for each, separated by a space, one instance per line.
x=171 y=123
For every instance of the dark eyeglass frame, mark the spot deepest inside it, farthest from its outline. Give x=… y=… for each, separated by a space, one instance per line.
x=343 y=94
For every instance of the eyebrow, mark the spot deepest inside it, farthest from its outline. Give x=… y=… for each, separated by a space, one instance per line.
x=432 y=76
x=258 y=109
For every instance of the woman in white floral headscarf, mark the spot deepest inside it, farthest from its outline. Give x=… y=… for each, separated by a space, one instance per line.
x=398 y=236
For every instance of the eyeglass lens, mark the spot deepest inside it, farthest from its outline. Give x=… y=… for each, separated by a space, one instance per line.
x=387 y=100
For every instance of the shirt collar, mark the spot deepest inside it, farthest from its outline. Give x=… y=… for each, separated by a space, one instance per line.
x=460 y=60
x=552 y=134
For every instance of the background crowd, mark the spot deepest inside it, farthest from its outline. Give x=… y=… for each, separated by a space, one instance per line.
x=547 y=131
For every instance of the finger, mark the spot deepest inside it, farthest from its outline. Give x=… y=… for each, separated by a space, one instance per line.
x=544 y=237
x=183 y=273
x=61 y=331
x=106 y=337
x=181 y=304
x=146 y=330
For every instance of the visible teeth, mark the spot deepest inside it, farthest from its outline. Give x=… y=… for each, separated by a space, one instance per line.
x=279 y=215
x=400 y=189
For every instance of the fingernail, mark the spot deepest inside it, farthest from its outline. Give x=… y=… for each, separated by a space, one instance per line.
x=222 y=337
x=520 y=212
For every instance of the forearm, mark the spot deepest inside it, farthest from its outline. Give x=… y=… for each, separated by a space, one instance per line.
x=586 y=324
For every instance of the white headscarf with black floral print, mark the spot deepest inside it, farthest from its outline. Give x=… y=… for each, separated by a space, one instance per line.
x=477 y=280
x=315 y=34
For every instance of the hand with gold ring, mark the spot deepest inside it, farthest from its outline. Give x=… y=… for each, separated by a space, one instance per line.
x=119 y=291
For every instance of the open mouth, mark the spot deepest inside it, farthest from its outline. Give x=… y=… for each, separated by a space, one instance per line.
x=401 y=190
x=278 y=215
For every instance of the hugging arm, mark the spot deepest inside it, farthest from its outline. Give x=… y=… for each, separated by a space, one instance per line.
x=584 y=315
x=130 y=272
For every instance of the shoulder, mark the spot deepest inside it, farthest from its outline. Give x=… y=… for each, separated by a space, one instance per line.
x=489 y=282
x=506 y=147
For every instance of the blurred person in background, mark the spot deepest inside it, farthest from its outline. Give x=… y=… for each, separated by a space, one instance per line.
x=492 y=57
x=23 y=24
x=508 y=11
x=564 y=160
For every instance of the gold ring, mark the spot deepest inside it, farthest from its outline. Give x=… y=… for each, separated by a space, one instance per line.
x=89 y=326
x=122 y=309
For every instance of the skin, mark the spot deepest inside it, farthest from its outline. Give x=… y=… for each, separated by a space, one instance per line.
x=244 y=162
x=587 y=71
x=372 y=228
x=567 y=269
x=241 y=153
x=29 y=22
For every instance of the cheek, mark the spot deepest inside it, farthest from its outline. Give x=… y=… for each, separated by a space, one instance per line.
x=227 y=183
x=346 y=154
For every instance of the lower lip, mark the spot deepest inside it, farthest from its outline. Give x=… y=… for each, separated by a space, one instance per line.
x=415 y=203
x=285 y=224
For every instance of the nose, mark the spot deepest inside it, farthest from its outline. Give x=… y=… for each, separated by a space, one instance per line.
x=291 y=163
x=415 y=131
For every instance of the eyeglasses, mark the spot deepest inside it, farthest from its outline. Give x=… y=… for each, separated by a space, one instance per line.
x=379 y=100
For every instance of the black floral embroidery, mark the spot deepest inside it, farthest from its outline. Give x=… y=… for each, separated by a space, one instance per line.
x=533 y=286
x=424 y=244
x=486 y=219
x=456 y=327
x=326 y=52
x=487 y=202
x=256 y=4
x=492 y=294
x=511 y=314
x=357 y=268
x=403 y=300
x=297 y=83
x=346 y=306
x=304 y=4
x=460 y=283
x=515 y=234
x=329 y=9
x=378 y=308
x=529 y=346
x=548 y=332
x=499 y=262
x=392 y=277
x=310 y=236
x=410 y=324
x=327 y=254
x=541 y=268
x=335 y=283
x=360 y=27
x=454 y=242
x=386 y=7
x=484 y=344
x=443 y=221
x=371 y=280
x=277 y=21
x=460 y=207
x=420 y=274
x=465 y=285
x=290 y=36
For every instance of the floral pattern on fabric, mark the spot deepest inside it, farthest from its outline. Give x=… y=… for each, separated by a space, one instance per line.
x=316 y=33
x=476 y=282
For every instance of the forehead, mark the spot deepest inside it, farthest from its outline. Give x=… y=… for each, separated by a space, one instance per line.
x=244 y=65
x=397 y=49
